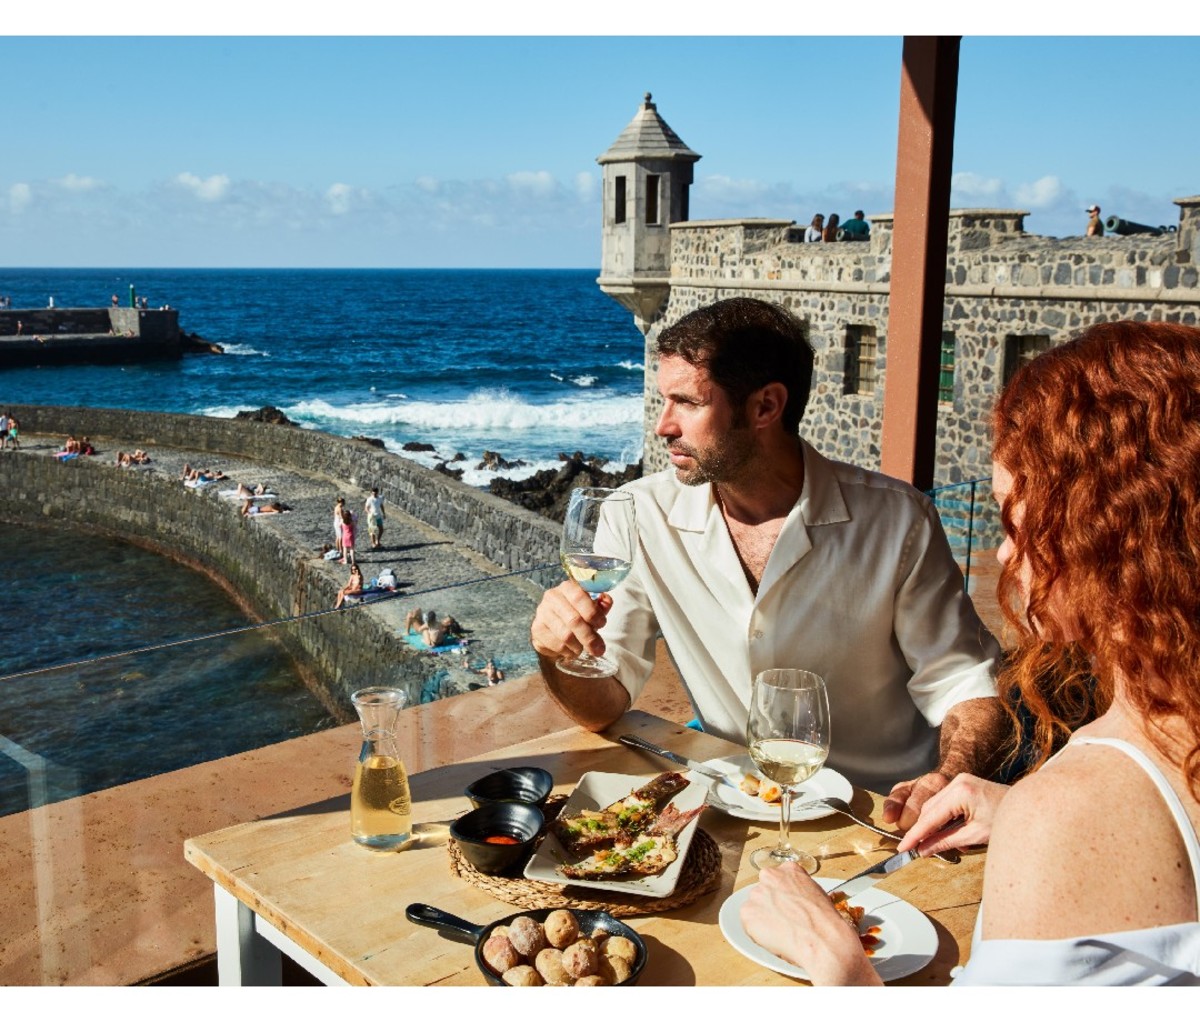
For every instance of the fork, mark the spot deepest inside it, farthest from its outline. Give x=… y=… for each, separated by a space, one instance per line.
x=839 y=805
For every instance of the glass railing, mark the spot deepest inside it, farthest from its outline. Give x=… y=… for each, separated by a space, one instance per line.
x=971 y=519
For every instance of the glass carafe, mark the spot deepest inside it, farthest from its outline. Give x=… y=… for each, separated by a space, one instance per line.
x=380 y=803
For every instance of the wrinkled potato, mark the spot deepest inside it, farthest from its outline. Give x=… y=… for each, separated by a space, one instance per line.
x=499 y=953
x=580 y=960
x=590 y=981
x=562 y=928
x=522 y=976
x=617 y=946
x=614 y=970
x=527 y=936
x=549 y=964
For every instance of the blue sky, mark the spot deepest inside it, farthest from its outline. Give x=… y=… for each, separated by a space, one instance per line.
x=220 y=150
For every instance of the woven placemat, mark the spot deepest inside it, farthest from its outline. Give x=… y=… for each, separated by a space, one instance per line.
x=701 y=873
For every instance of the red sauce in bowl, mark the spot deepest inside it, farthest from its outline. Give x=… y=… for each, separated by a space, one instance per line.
x=501 y=839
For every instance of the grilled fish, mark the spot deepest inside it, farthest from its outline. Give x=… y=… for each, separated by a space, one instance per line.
x=620 y=822
x=644 y=855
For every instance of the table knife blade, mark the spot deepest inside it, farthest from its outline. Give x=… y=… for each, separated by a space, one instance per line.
x=870 y=877
x=636 y=742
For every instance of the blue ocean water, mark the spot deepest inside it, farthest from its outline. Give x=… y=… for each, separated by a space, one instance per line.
x=527 y=363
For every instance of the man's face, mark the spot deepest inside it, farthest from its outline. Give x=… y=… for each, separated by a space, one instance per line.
x=707 y=438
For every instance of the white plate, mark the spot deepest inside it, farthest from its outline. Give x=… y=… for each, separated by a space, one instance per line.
x=825 y=783
x=907 y=939
x=597 y=791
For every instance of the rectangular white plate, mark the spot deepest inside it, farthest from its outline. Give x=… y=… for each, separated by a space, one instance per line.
x=597 y=791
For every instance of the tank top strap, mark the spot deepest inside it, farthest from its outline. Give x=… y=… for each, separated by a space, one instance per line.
x=1182 y=821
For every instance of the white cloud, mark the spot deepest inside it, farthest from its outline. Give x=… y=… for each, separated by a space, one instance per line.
x=19 y=196
x=536 y=182
x=972 y=187
x=586 y=187
x=77 y=183
x=340 y=198
x=1045 y=191
x=209 y=189
x=427 y=184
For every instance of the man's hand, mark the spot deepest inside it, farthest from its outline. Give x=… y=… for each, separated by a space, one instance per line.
x=904 y=802
x=974 y=735
x=568 y=621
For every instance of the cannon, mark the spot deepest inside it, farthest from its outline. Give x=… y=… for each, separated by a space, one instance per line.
x=1115 y=225
x=845 y=235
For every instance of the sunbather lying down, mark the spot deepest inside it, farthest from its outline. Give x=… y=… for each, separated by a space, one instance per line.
x=433 y=631
x=274 y=507
x=199 y=476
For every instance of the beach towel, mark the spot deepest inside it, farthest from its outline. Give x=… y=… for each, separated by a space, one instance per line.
x=195 y=484
x=233 y=495
x=369 y=594
x=448 y=646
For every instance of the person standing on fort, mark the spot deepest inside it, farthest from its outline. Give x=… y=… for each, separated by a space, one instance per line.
x=857 y=228
x=1095 y=227
x=375 y=516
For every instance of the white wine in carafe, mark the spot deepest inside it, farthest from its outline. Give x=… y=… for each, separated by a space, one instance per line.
x=380 y=803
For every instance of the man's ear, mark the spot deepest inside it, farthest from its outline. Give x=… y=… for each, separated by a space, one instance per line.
x=765 y=406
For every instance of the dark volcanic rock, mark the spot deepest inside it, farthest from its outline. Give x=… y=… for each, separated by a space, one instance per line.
x=194 y=343
x=547 y=492
x=373 y=441
x=446 y=470
x=416 y=445
x=267 y=413
x=494 y=462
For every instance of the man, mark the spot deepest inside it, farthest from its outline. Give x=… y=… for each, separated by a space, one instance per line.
x=757 y=552
x=857 y=227
x=1095 y=227
x=375 y=516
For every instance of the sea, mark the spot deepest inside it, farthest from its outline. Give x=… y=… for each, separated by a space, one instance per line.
x=525 y=363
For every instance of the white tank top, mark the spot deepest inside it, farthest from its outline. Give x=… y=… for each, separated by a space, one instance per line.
x=1155 y=956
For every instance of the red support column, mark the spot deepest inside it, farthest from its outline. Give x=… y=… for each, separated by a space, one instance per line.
x=924 y=159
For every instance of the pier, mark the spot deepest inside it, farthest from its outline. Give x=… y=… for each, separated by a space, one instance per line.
x=52 y=336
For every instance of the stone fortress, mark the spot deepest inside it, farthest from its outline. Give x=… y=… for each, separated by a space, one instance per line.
x=1009 y=294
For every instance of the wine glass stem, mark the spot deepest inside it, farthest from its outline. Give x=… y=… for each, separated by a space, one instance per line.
x=785 y=820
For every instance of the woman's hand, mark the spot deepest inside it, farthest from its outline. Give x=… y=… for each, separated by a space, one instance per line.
x=792 y=917
x=967 y=797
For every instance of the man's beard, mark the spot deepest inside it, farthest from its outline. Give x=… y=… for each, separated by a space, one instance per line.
x=724 y=462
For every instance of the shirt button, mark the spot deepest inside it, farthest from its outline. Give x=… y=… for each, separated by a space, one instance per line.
x=758 y=633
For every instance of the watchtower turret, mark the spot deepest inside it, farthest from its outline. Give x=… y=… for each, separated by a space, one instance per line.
x=647 y=174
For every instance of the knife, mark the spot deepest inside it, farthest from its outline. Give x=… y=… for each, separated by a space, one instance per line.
x=870 y=877
x=634 y=742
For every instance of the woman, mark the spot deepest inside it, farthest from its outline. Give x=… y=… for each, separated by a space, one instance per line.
x=355 y=585
x=1093 y=869
x=816 y=228
x=831 y=228
x=347 y=536
x=339 y=506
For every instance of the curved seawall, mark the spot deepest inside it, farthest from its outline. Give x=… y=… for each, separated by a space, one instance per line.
x=270 y=571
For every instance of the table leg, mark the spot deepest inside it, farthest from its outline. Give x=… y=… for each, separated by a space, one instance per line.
x=244 y=957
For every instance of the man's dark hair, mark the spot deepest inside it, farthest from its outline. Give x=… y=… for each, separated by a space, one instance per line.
x=745 y=343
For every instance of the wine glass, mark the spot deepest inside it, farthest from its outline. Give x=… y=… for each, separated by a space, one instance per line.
x=599 y=538
x=788 y=735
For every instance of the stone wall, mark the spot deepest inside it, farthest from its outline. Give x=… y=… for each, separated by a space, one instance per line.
x=1002 y=285
x=268 y=571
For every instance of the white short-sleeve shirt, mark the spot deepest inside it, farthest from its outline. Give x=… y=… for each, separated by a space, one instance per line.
x=860 y=587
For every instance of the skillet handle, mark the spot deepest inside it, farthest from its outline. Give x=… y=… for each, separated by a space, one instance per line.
x=427 y=915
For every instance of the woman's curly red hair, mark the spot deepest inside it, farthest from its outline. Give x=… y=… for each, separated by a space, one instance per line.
x=1102 y=438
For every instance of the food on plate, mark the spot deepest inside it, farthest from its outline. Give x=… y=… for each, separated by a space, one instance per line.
x=549 y=964
x=524 y=953
x=499 y=953
x=561 y=928
x=755 y=786
x=853 y=914
x=522 y=976
x=527 y=936
x=621 y=821
x=635 y=835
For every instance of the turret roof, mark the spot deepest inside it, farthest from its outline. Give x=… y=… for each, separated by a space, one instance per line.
x=647 y=135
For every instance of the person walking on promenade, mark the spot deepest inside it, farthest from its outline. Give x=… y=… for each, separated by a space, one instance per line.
x=347 y=536
x=3 y=430
x=375 y=516
x=339 y=506
x=14 y=432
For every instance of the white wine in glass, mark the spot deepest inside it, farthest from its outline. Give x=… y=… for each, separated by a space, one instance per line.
x=788 y=735
x=599 y=538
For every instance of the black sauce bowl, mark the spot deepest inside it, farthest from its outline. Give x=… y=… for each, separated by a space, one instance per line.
x=508 y=819
x=527 y=784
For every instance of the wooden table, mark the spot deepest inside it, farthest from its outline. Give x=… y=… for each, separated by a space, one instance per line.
x=297 y=883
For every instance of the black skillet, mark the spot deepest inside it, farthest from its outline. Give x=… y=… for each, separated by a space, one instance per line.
x=589 y=922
